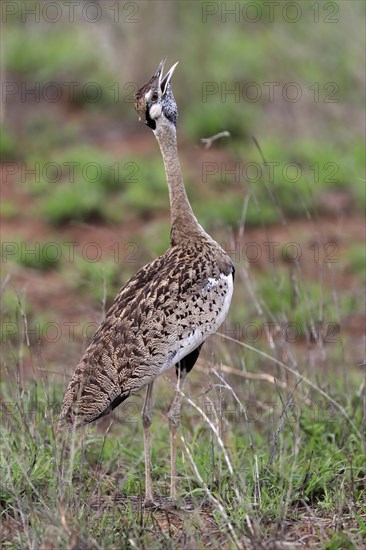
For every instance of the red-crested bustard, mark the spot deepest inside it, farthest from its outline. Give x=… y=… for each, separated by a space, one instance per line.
x=164 y=313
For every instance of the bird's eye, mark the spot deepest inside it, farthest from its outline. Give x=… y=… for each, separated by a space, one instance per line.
x=154 y=96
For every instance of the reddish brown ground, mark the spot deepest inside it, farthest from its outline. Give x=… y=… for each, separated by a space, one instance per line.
x=50 y=292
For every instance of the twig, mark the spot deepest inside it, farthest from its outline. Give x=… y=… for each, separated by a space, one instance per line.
x=210 y=495
x=209 y=141
x=303 y=379
x=258 y=376
x=219 y=440
x=280 y=426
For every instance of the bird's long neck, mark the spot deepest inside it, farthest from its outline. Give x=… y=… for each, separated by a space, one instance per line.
x=184 y=224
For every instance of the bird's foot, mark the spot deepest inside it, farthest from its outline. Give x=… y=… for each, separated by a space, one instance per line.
x=162 y=503
x=173 y=499
x=149 y=502
x=172 y=504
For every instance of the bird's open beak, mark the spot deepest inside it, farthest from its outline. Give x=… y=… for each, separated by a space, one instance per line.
x=163 y=82
x=167 y=78
x=159 y=70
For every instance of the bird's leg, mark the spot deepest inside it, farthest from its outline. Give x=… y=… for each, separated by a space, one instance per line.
x=146 y=422
x=174 y=422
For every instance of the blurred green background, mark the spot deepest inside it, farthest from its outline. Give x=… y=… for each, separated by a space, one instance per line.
x=85 y=204
x=78 y=167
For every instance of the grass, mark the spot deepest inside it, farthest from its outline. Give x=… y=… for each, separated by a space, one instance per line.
x=8 y=146
x=68 y=69
x=37 y=255
x=213 y=116
x=291 y=463
x=100 y=280
x=14 y=306
x=357 y=260
x=146 y=191
x=297 y=176
x=8 y=210
x=157 y=232
x=261 y=457
x=303 y=303
x=27 y=56
x=271 y=448
x=43 y=134
x=87 y=184
x=101 y=189
x=79 y=183
x=60 y=162
x=68 y=202
x=292 y=181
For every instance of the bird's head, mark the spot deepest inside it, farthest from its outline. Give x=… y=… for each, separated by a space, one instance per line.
x=154 y=101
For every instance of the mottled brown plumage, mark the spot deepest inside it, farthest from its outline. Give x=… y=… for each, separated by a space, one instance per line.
x=152 y=315
x=163 y=314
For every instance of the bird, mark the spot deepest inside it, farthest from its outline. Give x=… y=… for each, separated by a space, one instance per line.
x=163 y=314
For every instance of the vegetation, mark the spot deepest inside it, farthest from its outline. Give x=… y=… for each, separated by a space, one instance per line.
x=37 y=255
x=297 y=457
x=8 y=210
x=8 y=151
x=273 y=435
x=99 y=280
x=357 y=260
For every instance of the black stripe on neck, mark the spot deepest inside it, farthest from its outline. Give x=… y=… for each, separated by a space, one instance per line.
x=149 y=121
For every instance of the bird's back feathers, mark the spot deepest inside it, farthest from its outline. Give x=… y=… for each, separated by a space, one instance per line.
x=163 y=313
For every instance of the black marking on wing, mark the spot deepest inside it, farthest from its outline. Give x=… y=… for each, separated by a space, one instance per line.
x=130 y=346
x=188 y=362
x=117 y=401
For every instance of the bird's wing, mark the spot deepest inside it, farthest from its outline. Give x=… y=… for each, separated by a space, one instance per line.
x=164 y=312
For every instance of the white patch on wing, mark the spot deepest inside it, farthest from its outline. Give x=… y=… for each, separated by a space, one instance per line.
x=191 y=342
x=211 y=283
x=186 y=345
x=227 y=300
